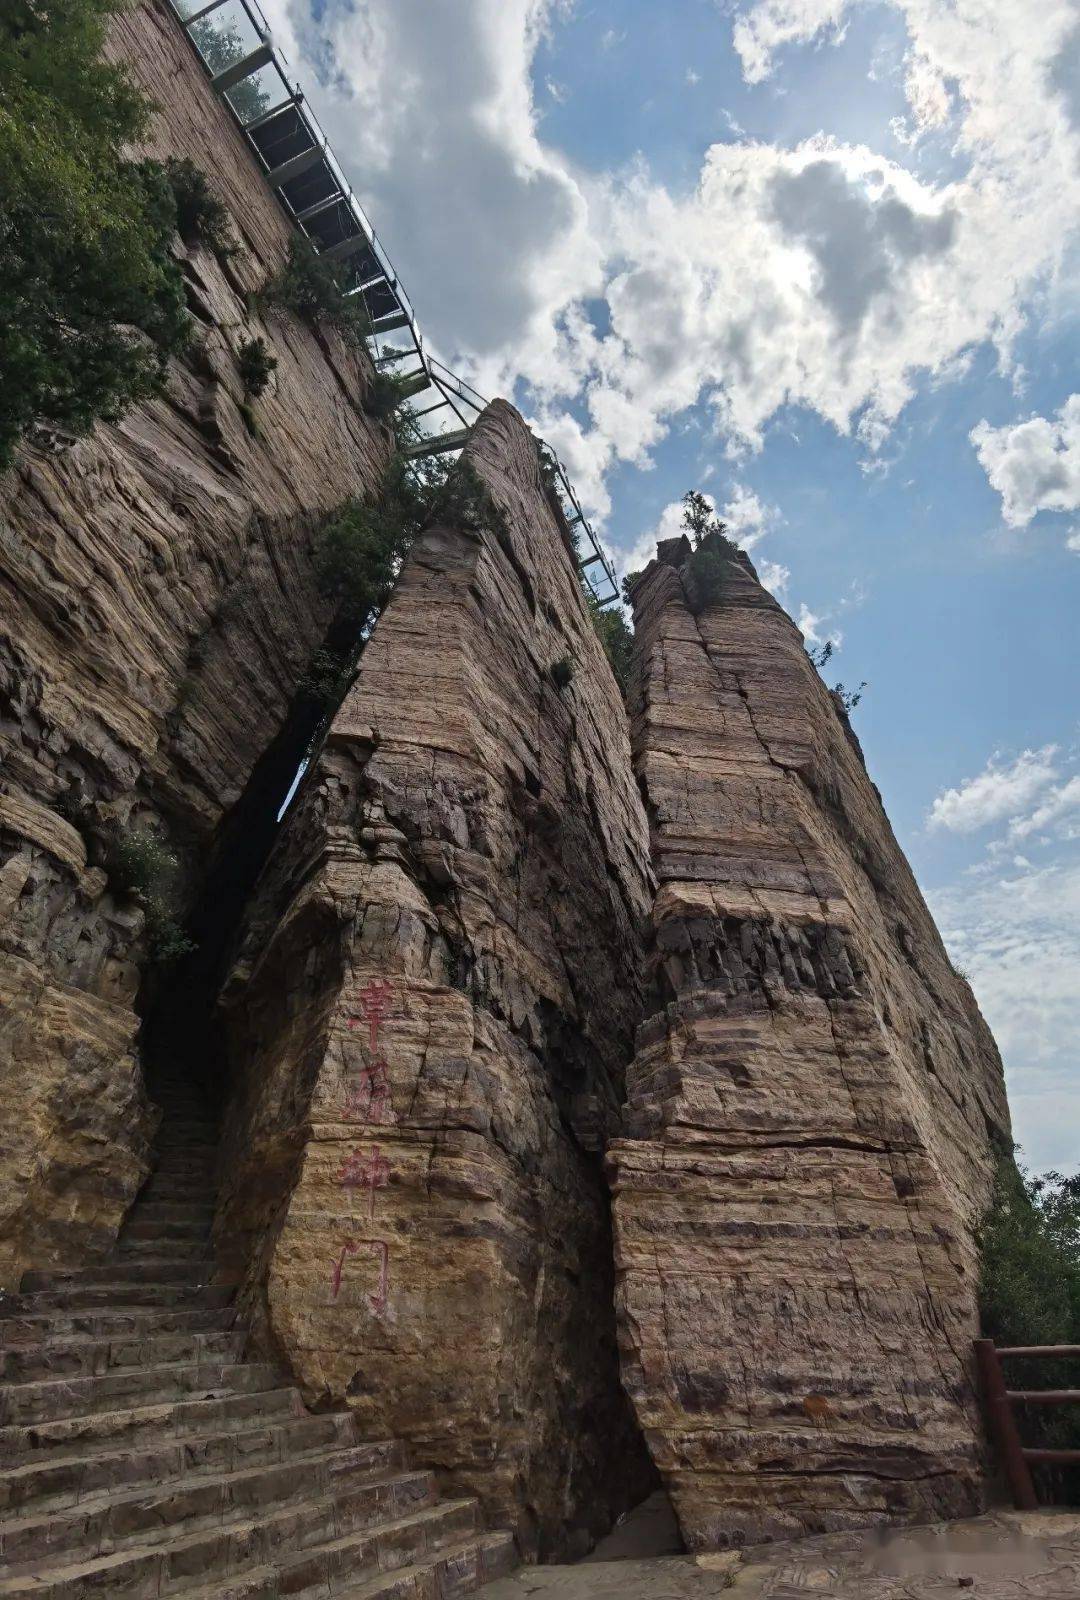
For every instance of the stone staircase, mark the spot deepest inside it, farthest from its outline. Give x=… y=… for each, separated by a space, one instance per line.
x=141 y=1454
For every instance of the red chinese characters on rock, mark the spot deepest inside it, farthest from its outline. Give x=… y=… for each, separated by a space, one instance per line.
x=370 y=1101
x=374 y=1001
x=369 y=1171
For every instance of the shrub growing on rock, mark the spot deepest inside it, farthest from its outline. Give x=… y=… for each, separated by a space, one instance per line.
x=91 y=299
x=255 y=364
x=140 y=864
x=314 y=289
x=200 y=216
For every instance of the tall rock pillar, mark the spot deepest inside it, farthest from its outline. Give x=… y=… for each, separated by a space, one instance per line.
x=430 y=1019
x=810 y=1106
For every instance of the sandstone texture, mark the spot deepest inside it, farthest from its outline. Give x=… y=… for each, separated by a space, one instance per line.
x=158 y=605
x=810 y=1105
x=429 y=1019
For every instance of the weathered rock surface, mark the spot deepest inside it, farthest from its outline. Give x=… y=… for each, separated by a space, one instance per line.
x=809 y=1107
x=429 y=1021
x=159 y=604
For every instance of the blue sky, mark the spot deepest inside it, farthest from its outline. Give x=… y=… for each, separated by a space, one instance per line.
x=820 y=259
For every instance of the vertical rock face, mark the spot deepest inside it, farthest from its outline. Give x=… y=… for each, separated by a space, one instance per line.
x=810 y=1105
x=429 y=1022
x=159 y=603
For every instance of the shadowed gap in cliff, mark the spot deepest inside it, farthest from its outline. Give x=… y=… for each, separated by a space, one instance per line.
x=180 y=1037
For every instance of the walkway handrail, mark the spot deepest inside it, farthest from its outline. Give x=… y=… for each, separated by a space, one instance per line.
x=454 y=401
x=999 y=1400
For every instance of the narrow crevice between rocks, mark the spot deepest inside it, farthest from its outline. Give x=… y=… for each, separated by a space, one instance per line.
x=180 y=1034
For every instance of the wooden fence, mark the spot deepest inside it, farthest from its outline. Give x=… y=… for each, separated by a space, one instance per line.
x=1000 y=1400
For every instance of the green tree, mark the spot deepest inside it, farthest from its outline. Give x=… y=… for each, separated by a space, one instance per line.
x=220 y=45
x=91 y=300
x=1029 y=1294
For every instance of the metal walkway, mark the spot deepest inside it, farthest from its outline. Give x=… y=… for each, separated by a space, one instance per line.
x=233 y=41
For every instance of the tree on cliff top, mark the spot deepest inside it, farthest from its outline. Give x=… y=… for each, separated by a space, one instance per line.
x=91 y=300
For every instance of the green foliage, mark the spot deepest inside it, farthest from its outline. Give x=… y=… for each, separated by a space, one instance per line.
x=820 y=655
x=712 y=550
x=627 y=585
x=699 y=519
x=314 y=289
x=255 y=364
x=549 y=471
x=91 y=300
x=849 y=698
x=464 y=500
x=385 y=395
x=328 y=675
x=562 y=672
x=616 y=636
x=361 y=549
x=1029 y=1293
x=706 y=572
x=141 y=865
x=200 y=215
x=221 y=44
x=1029 y=1289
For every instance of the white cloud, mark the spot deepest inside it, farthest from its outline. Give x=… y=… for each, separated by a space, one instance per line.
x=996 y=793
x=1017 y=934
x=766 y=27
x=823 y=275
x=775 y=576
x=1034 y=465
x=1055 y=805
x=746 y=516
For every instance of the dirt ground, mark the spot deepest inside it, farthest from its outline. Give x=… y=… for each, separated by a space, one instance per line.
x=1005 y=1555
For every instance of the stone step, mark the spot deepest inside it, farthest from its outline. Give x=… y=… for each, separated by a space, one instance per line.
x=190 y=1169
x=130 y=1427
x=164 y=1212
x=174 y=1189
x=110 y=1296
x=182 y=1227
x=166 y=1271
x=163 y=1250
x=17 y=1332
x=62 y=1481
x=52 y=1401
x=450 y=1571
x=152 y=1514
x=329 y=1540
x=85 y=1358
x=444 y=1573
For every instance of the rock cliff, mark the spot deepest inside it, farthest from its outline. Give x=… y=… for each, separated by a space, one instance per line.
x=159 y=605
x=429 y=1021
x=810 y=1103
x=502 y=941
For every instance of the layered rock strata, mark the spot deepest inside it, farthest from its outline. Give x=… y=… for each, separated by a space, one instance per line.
x=810 y=1105
x=429 y=1019
x=159 y=605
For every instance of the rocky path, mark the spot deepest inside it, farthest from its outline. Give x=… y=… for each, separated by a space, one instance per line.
x=141 y=1454
x=1001 y=1556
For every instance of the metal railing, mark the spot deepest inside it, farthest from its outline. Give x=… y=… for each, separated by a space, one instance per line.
x=1017 y=1458
x=233 y=41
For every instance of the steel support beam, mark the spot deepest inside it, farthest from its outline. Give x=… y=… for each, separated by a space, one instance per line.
x=344 y=248
x=243 y=68
x=295 y=167
x=387 y=324
x=440 y=444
